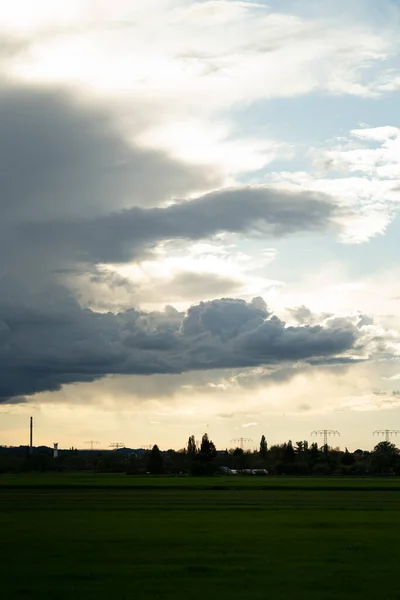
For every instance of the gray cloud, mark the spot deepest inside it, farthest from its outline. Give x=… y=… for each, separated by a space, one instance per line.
x=197 y=285
x=185 y=285
x=48 y=340
x=303 y=315
x=129 y=234
x=61 y=160
x=386 y=393
x=75 y=194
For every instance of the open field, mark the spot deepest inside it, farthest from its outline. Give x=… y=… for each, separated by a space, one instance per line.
x=100 y=480
x=73 y=536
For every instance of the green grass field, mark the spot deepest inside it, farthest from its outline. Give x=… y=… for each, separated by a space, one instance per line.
x=95 y=537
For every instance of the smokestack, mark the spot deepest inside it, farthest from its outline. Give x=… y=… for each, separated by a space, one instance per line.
x=55 y=450
x=31 y=436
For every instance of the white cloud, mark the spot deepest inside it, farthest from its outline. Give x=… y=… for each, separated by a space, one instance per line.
x=196 y=142
x=335 y=289
x=180 y=275
x=369 y=403
x=184 y=62
x=371 y=186
x=372 y=202
x=382 y=162
x=261 y=54
x=379 y=134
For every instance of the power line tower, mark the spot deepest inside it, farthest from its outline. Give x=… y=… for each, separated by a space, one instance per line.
x=241 y=441
x=387 y=433
x=326 y=433
x=92 y=443
x=117 y=445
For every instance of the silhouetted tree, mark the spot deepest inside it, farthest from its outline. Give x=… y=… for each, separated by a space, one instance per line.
x=384 y=457
x=238 y=461
x=313 y=453
x=191 y=446
x=207 y=448
x=289 y=454
x=347 y=458
x=156 y=463
x=263 y=447
x=133 y=465
x=203 y=463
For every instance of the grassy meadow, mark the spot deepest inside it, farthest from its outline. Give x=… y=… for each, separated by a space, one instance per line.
x=104 y=536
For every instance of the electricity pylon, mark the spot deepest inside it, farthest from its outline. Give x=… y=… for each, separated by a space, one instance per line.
x=241 y=441
x=326 y=433
x=117 y=445
x=92 y=443
x=387 y=433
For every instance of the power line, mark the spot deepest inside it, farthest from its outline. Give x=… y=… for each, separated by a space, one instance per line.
x=241 y=441
x=386 y=432
x=326 y=433
x=92 y=443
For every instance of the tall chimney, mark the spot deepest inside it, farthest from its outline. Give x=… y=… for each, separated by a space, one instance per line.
x=55 y=450
x=31 y=436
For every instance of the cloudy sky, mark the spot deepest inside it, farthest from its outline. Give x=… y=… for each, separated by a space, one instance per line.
x=199 y=220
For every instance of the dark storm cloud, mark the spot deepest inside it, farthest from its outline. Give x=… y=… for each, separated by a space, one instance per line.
x=74 y=194
x=49 y=340
x=59 y=159
x=129 y=234
x=74 y=191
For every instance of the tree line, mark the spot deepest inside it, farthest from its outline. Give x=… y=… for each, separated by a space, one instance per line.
x=300 y=458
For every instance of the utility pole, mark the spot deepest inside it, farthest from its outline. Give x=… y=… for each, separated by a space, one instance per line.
x=241 y=441
x=31 y=436
x=92 y=443
x=387 y=433
x=326 y=433
x=117 y=445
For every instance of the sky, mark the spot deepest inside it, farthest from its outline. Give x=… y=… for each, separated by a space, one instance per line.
x=199 y=221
